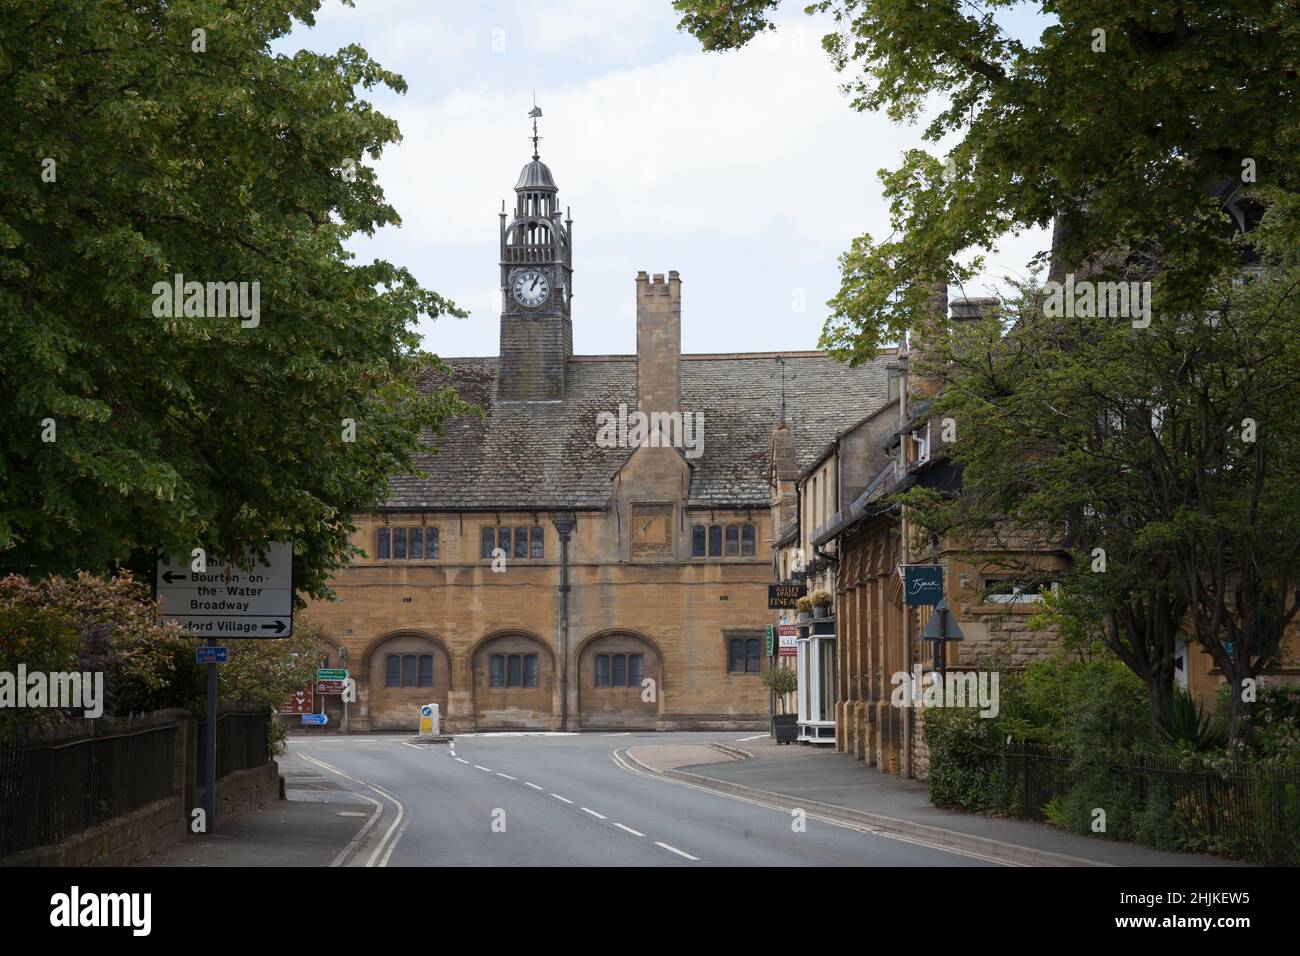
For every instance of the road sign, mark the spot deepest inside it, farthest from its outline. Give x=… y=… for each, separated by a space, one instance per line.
x=942 y=626
x=331 y=673
x=315 y=720
x=298 y=703
x=923 y=584
x=224 y=600
x=206 y=654
x=331 y=686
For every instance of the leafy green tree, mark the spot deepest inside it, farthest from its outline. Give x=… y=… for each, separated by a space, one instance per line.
x=151 y=140
x=1162 y=461
x=1126 y=127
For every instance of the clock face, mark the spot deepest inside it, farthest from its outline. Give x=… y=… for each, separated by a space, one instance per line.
x=531 y=288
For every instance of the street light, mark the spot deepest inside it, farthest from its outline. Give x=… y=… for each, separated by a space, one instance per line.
x=564 y=525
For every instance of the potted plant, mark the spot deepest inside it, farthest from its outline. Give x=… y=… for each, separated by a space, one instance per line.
x=783 y=681
x=804 y=606
x=821 y=603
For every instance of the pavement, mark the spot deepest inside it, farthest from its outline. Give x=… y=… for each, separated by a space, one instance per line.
x=619 y=799
x=818 y=779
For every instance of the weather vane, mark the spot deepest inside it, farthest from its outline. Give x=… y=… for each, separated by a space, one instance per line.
x=535 y=112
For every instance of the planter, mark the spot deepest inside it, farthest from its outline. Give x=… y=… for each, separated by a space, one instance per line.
x=803 y=616
x=821 y=611
x=786 y=728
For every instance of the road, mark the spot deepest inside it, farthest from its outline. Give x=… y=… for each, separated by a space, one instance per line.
x=563 y=800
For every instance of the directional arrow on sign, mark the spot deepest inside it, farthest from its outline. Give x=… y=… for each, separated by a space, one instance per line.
x=278 y=627
x=172 y=576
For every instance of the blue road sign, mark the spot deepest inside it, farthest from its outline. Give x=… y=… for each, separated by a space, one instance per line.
x=211 y=655
x=316 y=720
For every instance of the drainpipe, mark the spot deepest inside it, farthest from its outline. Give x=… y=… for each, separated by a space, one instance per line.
x=908 y=712
x=565 y=526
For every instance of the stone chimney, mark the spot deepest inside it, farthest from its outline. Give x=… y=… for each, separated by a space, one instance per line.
x=785 y=478
x=658 y=343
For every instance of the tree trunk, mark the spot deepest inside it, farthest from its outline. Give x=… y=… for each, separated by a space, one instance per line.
x=1160 y=692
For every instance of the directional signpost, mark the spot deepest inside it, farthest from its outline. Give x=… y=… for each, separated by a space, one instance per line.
x=225 y=601
x=299 y=703
x=315 y=720
x=331 y=686
x=331 y=673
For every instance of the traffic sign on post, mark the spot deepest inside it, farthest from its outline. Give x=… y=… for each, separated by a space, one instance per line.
x=298 y=703
x=211 y=654
x=224 y=600
x=331 y=673
x=331 y=686
x=315 y=720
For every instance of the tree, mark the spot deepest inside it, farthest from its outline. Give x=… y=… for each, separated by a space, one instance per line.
x=1162 y=461
x=1128 y=128
x=163 y=140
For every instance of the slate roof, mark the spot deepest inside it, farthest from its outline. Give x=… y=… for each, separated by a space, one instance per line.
x=543 y=455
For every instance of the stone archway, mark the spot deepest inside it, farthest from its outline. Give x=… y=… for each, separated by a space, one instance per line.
x=404 y=670
x=612 y=668
x=512 y=678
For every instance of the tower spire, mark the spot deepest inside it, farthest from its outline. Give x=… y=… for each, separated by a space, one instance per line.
x=534 y=113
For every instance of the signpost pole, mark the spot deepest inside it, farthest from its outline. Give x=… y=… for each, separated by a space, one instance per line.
x=210 y=791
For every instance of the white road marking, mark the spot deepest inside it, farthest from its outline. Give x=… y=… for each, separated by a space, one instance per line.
x=624 y=734
x=506 y=775
x=741 y=740
x=629 y=830
x=533 y=785
x=352 y=813
x=673 y=849
x=558 y=797
x=411 y=745
x=860 y=828
x=401 y=812
x=487 y=769
x=598 y=816
x=462 y=760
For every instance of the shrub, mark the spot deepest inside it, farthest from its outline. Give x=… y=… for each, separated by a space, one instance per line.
x=960 y=744
x=1186 y=728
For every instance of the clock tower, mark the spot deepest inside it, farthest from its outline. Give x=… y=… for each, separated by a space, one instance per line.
x=536 y=289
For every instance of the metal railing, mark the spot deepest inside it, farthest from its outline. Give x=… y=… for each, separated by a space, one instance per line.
x=1236 y=809
x=57 y=784
x=241 y=743
x=51 y=789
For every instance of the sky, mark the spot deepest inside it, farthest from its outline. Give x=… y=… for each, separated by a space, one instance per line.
x=745 y=171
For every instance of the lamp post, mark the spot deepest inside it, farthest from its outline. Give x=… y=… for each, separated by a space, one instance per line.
x=564 y=525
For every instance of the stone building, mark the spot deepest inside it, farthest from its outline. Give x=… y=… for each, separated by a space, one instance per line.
x=594 y=551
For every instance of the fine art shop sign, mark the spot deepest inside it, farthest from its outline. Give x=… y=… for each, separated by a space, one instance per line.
x=784 y=595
